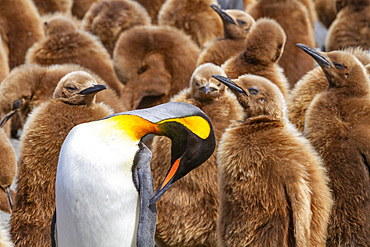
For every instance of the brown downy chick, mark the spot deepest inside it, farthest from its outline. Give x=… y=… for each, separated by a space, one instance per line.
x=269 y=195
x=108 y=19
x=33 y=84
x=263 y=49
x=80 y=7
x=51 y=6
x=4 y=64
x=338 y=126
x=45 y=130
x=236 y=24
x=155 y=63
x=326 y=12
x=194 y=199
x=293 y=17
x=351 y=27
x=313 y=83
x=153 y=7
x=65 y=43
x=194 y=17
x=20 y=27
x=8 y=165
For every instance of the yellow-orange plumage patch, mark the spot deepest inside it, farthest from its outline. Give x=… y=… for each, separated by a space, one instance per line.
x=198 y=125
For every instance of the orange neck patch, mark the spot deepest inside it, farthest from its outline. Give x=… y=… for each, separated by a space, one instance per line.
x=198 y=125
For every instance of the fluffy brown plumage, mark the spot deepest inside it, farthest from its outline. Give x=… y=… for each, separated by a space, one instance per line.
x=65 y=43
x=236 y=24
x=153 y=7
x=326 y=12
x=195 y=17
x=269 y=194
x=311 y=84
x=193 y=200
x=263 y=49
x=34 y=84
x=80 y=7
x=108 y=19
x=52 y=6
x=338 y=126
x=351 y=26
x=42 y=139
x=4 y=64
x=293 y=17
x=20 y=27
x=155 y=63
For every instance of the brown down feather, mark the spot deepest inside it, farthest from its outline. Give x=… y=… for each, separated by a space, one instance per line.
x=153 y=7
x=52 y=6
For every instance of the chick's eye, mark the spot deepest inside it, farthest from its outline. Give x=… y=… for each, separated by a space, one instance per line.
x=339 y=66
x=197 y=84
x=262 y=99
x=241 y=22
x=72 y=88
x=219 y=85
x=253 y=91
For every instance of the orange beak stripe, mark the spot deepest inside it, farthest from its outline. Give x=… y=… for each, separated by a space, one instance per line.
x=172 y=172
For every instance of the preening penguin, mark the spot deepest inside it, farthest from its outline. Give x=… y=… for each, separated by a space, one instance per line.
x=65 y=43
x=193 y=200
x=108 y=19
x=104 y=186
x=311 y=84
x=154 y=63
x=338 y=126
x=194 y=17
x=293 y=17
x=73 y=103
x=263 y=49
x=351 y=27
x=269 y=194
x=236 y=24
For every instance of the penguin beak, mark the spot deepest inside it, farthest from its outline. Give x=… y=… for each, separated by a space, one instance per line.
x=9 y=197
x=93 y=89
x=230 y=84
x=222 y=14
x=16 y=106
x=207 y=89
x=320 y=59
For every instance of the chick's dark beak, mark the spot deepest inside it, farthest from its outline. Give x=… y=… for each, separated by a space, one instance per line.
x=320 y=59
x=16 y=106
x=9 y=197
x=222 y=14
x=230 y=84
x=93 y=89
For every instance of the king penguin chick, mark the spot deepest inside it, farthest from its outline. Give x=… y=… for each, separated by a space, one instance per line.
x=108 y=19
x=193 y=200
x=269 y=195
x=20 y=27
x=104 y=186
x=311 y=84
x=263 y=49
x=65 y=43
x=44 y=132
x=326 y=12
x=236 y=24
x=338 y=126
x=80 y=7
x=154 y=63
x=8 y=166
x=153 y=7
x=194 y=17
x=51 y=6
x=293 y=17
x=33 y=84
x=351 y=26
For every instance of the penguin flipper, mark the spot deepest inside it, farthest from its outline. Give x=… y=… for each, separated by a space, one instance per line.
x=144 y=183
x=54 y=242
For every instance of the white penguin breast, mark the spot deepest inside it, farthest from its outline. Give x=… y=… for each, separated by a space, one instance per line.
x=96 y=200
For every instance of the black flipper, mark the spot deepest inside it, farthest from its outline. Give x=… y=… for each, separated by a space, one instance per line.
x=144 y=183
x=53 y=229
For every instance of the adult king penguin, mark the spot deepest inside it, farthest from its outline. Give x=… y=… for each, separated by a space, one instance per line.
x=104 y=185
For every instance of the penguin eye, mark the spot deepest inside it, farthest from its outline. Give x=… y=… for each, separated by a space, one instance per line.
x=262 y=99
x=197 y=84
x=339 y=66
x=241 y=22
x=219 y=85
x=72 y=88
x=253 y=91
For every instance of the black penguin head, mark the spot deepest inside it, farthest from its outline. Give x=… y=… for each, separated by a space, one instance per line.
x=257 y=95
x=237 y=23
x=77 y=88
x=342 y=69
x=203 y=86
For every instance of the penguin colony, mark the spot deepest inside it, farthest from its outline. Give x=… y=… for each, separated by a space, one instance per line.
x=281 y=174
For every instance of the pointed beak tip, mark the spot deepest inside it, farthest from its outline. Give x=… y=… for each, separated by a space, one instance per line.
x=93 y=89
x=320 y=59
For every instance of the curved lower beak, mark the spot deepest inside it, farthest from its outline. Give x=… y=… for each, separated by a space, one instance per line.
x=93 y=89
x=222 y=14
x=320 y=59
